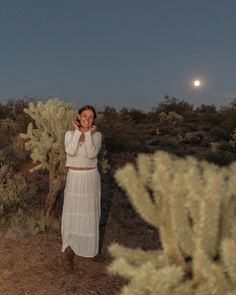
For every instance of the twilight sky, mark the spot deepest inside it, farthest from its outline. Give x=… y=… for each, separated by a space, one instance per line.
x=118 y=52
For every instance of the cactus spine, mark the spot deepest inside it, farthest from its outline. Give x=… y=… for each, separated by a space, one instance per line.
x=193 y=205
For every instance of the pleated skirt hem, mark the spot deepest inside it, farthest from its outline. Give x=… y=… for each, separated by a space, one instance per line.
x=81 y=212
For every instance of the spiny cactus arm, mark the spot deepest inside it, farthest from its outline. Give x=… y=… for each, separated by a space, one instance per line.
x=36 y=168
x=207 y=275
x=206 y=228
x=179 y=215
x=146 y=279
x=145 y=169
x=30 y=111
x=228 y=250
x=228 y=224
x=228 y=207
x=121 y=267
x=207 y=231
x=179 y=211
x=169 y=241
x=195 y=188
x=29 y=134
x=162 y=186
x=129 y=180
x=138 y=256
x=41 y=166
x=161 y=280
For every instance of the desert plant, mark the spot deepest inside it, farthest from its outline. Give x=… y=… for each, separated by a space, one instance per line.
x=190 y=138
x=193 y=204
x=45 y=142
x=169 y=121
x=24 y=223
x=232 y=141
x=15 y=193
x=119 y=130
x=173 y=104
x=215 y=147
x=19 y=148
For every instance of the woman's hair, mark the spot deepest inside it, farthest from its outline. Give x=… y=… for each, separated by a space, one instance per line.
x=88 y=107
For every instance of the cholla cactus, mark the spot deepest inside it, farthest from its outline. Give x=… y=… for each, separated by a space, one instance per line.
x=215 y=147
x=193 y=204
x=232 y=141
x=169 y=121
x=45 y=141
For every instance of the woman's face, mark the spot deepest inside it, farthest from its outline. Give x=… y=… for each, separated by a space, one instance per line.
x=86 y=118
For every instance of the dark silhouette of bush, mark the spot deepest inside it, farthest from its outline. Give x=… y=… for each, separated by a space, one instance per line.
x=222 y=158
x=228 y=119
x=119 y=130
x=173 y=104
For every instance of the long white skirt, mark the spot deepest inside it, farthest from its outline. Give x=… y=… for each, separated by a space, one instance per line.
x=81 y=212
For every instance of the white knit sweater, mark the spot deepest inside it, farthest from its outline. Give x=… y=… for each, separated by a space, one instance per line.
x=82 y=154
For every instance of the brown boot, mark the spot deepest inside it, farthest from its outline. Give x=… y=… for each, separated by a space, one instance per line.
x=99 y=258
x=68 y=257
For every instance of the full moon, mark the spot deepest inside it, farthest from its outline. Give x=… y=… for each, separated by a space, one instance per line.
x=196 y=83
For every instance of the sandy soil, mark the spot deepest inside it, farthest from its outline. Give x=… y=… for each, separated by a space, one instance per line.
x=33 y=264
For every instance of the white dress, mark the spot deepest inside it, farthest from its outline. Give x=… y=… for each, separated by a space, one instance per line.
x=81 y=210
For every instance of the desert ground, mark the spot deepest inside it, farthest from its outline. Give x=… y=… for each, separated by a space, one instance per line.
x=32 y=264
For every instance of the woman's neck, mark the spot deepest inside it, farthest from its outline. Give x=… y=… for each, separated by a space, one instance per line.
x=84 y=129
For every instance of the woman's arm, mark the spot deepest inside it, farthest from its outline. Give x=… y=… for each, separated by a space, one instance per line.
x=92 y=143
x=72 y=141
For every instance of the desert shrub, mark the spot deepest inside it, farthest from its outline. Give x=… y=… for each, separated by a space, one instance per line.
x=220 y=158
x=137 y=116
x=9 y=157
x=15 y=193
x=18 y=147
x=209 y=115
x=172 y=148
x=172 y=104
x=226 y=146
x=167 y=122
x=25 y=224
x=205 y=127
x=13 y=153
x=18 y=214
x=219 y=133
x=228 y=121
x=8 y=128
x=190 y=127
x=215 y=147
x=232 y=141
x=119 y=130
x=13 y=109
x=191 y=138
x=209 y=109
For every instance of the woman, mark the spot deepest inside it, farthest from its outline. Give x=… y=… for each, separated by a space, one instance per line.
x=82 y=195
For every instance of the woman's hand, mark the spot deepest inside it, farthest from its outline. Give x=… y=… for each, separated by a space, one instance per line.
x=76 y=124
x=93 y=128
